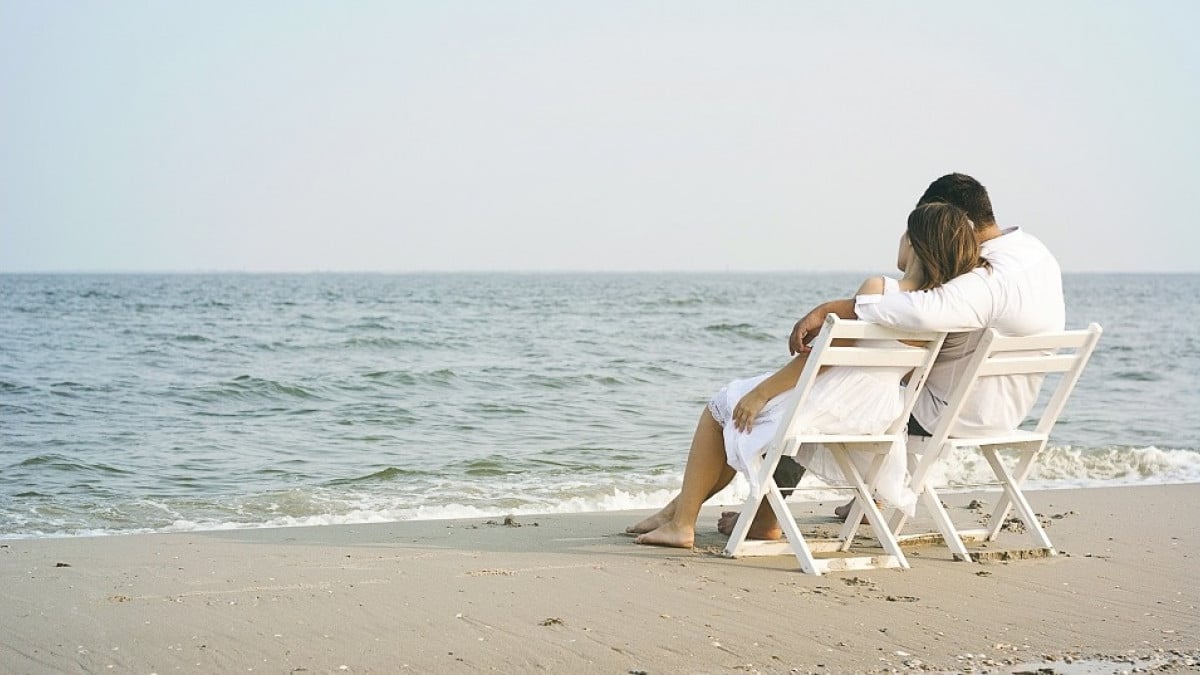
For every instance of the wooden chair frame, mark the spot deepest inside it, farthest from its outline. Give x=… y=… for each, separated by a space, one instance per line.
x=1064 y=352
x=787 y=440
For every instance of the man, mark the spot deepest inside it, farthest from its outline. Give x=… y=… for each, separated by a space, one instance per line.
x=1020 y=295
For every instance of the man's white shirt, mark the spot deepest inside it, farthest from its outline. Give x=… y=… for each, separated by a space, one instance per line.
x=1020 y=295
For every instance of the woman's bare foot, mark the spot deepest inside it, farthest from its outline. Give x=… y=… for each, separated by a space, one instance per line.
x=649 y=524
x=728 y=521
x=669 y=534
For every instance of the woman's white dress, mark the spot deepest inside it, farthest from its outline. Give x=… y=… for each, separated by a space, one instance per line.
x=843 y=400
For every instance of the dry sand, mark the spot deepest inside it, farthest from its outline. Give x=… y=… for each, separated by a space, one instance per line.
x=570 y=594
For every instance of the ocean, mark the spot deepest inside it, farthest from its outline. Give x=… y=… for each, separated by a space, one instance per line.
x=150 y=403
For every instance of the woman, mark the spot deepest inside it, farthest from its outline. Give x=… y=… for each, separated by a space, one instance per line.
x=938 y=245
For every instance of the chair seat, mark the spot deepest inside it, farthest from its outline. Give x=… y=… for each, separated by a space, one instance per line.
x=876 y=439
x=1018 y=437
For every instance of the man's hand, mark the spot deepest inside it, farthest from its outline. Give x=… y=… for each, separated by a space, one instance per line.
x=806 y=329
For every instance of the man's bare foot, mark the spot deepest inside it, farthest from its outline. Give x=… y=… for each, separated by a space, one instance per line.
x=669 y=534
x=649 y=524
x=843 y=511
x=728 y=521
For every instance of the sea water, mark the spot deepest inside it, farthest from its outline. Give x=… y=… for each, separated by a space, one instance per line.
x=134 y=403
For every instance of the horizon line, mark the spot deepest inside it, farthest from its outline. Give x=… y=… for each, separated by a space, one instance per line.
x=167 y=272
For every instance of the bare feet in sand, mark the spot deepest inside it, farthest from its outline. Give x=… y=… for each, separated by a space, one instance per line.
x=669 y=534
x=843 y=511
x=649 y=524
x=728 y=521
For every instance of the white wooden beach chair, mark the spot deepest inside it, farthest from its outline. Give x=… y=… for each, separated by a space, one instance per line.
x=997 y=356
x=787 y=441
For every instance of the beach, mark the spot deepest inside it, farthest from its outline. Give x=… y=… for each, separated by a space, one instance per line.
x=572 y=593
x=351 y=337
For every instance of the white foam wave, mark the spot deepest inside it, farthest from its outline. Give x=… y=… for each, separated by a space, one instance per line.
x=1070 y=467
x=1059 y=467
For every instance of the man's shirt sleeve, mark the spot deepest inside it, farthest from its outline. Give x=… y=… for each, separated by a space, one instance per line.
x=964 y=303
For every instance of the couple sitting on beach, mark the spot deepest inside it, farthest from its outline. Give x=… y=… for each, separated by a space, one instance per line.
x=963 y=273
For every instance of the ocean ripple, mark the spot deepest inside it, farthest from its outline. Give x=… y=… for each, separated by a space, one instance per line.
x=177 y=402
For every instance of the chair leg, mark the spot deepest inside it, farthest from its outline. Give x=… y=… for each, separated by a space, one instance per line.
x=942 y=518
x=850 y=526
x=765 y=470
x=866 y=503
x=808 y=563
x=742 y=529
x=897 y=521
x=1013 y=492
x=787 y=522
x=854 y=520
x=1004 y=505
x=921 y=456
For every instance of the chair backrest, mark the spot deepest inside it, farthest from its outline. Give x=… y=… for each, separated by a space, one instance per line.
x=1065 y=352
x=830 y=349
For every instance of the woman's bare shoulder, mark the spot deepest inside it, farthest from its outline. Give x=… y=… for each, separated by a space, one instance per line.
x=872 y=286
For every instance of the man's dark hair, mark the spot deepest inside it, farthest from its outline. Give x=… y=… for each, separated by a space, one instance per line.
x=964 y=192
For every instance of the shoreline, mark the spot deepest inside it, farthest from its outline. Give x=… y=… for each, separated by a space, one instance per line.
x=818 y=494
x=570 y=593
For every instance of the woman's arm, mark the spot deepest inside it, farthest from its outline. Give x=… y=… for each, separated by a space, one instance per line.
x=786 y=377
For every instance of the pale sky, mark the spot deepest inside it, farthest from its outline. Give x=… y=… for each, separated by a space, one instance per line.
x=496 y=135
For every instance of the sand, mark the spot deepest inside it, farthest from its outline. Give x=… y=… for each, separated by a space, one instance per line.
x=571 y=594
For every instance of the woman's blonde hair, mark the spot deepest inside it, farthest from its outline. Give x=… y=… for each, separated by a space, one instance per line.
x=943 y=239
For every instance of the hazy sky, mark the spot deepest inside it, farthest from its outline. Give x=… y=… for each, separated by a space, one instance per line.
x=495 y=135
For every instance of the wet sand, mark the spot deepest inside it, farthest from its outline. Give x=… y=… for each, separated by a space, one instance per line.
x=572 y=594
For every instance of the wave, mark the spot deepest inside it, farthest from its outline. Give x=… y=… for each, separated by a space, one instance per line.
x=381 y=322
x=383 y=342
x=93 y=294
x=676 y=302
x=381 y=476
x=250 y=388
x=71 y=389
x=492 y=488
x=7 y=387
x=501 y=409
x=488 y=467
x=63 y=463
x=1137 y=376
x=11 y=409
x=742 y=330
x=1067 y=466
x=444 y=376
x=568 y=381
